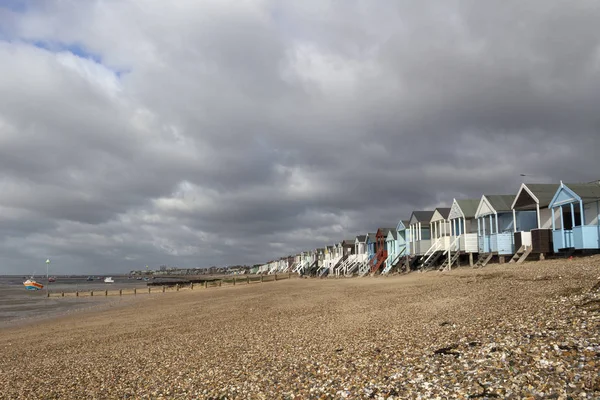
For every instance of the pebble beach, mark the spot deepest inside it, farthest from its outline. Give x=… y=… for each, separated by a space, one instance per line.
x=529 y=331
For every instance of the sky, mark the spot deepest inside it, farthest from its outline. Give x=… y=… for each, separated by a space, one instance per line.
x=218 y=132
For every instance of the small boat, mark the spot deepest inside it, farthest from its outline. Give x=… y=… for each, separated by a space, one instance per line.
x=108 y=279
x=31 y=284
x=52 y=279
x=90 y=278
x=139 y=278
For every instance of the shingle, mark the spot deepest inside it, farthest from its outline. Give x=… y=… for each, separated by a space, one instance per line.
x=501 y=202
x=422 y=216
x=468 y=207
x=444 y=212
x=587 y=191
x=384 y=231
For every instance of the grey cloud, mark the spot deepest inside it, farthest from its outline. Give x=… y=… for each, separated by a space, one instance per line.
x=220 y=132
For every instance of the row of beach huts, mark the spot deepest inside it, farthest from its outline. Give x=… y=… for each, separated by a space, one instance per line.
x=540 y=220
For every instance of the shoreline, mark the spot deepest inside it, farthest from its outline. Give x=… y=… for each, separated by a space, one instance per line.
x=103 y=303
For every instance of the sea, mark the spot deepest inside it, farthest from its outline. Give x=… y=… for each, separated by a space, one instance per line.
x=18 y=305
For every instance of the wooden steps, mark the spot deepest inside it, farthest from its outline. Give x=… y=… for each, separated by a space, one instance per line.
x=483 y=260
x=447 y=265
x=520 y=255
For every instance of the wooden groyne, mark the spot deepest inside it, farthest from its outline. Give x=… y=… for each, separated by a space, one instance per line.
x=174 y=286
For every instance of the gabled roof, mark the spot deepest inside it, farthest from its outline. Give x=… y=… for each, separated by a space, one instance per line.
x=421 y=216
x=392 y=235
x=371 y=237
x=494 y=203
x=584 y=192
x=361 y=238
x=465 y=208
x=440 y=214
x=402 y=225
x=501 y=202
x=531 y=194
x=384 y=231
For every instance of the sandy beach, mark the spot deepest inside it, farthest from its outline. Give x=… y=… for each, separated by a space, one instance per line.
x=504 y=331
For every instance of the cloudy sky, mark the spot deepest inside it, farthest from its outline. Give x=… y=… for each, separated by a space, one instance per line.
x=198 y=133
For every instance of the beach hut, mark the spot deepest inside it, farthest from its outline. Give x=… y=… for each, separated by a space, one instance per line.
x=346 y=250
x=391 y=241
x=536 y=237
x=397 y=241
x=420 y=232
x=440 y=237
x=307 y=261
x=576 y=217
x=496 y=228
x=313 y=262
x=342 y=251
x=381 y=253
x=289 y=265
x=273 y=265
x=296 y=262
x=282 y=264
x=371 y=251
x=463 y=230
x=360 y=253
x=328 y=256
x=319 y=261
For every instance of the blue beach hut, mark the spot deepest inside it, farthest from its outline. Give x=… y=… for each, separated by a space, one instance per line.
x=576 y=217
x=495 y=225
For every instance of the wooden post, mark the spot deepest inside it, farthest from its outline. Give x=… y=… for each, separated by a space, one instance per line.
x=275 y=277
x=220 y=281
x=77 y=293
x=206 y=284
x=501 y=259
x=234 y=281
x=149 y=289
x=62 y=294
x=177 y=287
x=120 y=292
x=134 y=291
x=247 y=280
x=47 y=293
x=91 y=293
x=290 y=275
x=192 y=285
x=106 y=293
x=261 y=279
x=542 y=256
x=163 y=288
x=470 y=259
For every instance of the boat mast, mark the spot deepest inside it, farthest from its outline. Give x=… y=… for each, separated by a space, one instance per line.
x=47 y=279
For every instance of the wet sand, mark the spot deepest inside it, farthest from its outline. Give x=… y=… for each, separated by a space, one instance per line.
x=511 y=331
x=20 y=306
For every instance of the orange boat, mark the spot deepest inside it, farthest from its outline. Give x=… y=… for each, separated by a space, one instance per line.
x=31 y=284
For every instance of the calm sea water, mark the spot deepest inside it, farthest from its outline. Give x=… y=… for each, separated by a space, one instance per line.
x=20 y=305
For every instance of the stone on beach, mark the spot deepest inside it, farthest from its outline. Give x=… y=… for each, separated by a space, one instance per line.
x=504 y=331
